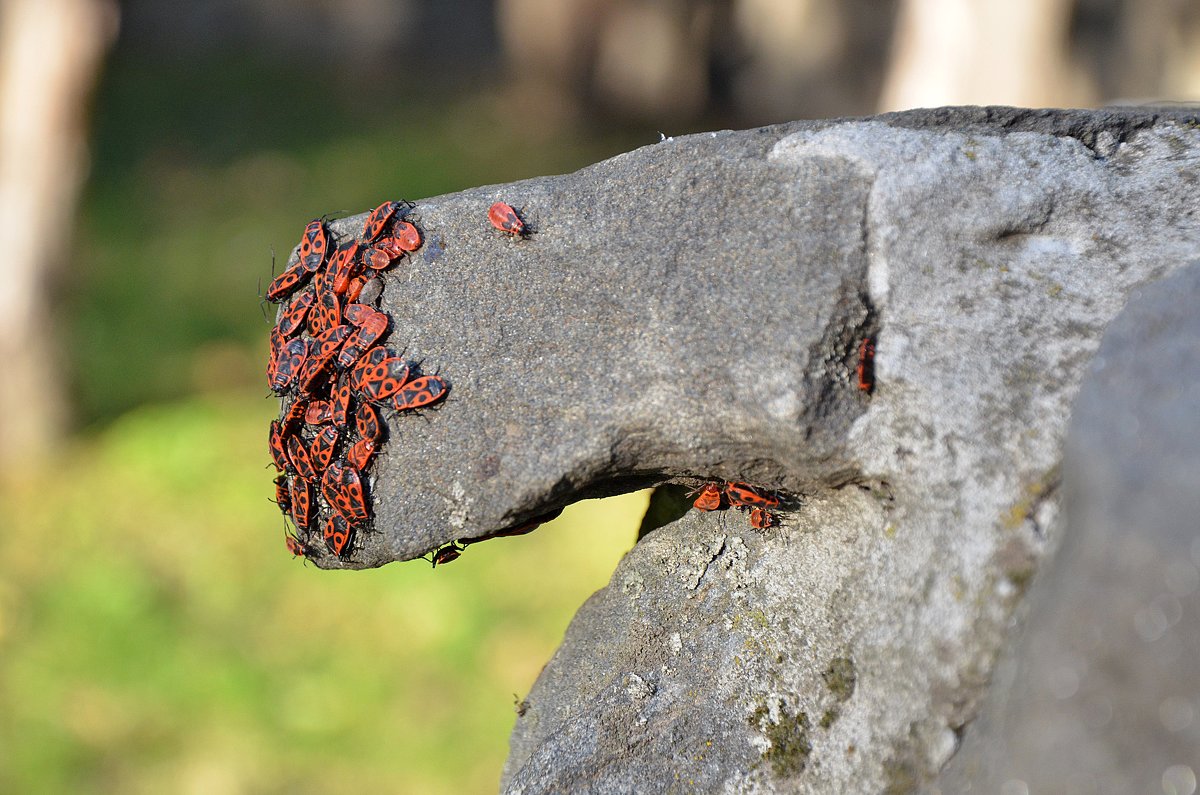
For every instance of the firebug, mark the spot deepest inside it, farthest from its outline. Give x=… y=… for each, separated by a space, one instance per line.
x=313 y=245
x=420 y=392
x=326 y=312
x=368 y=422
x=286 y=283
x=506 y=219
x=321 y=451
x=295 y=546
x=358 y=314
x=866 y=365
x=380 y=254
x=290 y=363
x=283 y=494
x=294 y=415
x=360 y=454
x=761 y=518
x=380 y=381
x=301 y=460
x=377 y=221
x=374 y=326
x=318 y=412
x=343 y=267
x=339 y=402
x=337 y=534
x=710 y=499
x=293 y=318
x=324 y=348
x=302 y=502
x=354 y=290
x=446 y=554
x=343 y=490
x=278 y=450
x=743 y=495
x=405 y=236
x=277 y=341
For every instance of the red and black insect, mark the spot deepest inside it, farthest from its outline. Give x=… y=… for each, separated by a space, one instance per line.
x=371 y=327
x=278 y=450
x=505 y=218
x=343 y=490
x=360 y=453
x=277 y=342
x=710 y=499
x=761 y=518
x=326 y=312
x=321 y=451
x=295 y=414
x=380 y=254
x=420 y=392
x=286 y=283
x=293 y=317
x=866 y=365
x=337 y=534
x=339 y=402
x=295 y=546
x=356 y=288
x=743 y=495
x=320 y=357
x=380 y=381
x=283 y=494
x=300 y=458
x=368 y=422
x=405 y=236
x=357 y=314
x=343 y=267
x=314 y=245
x=302 y=502
x=446 y=553
x=377 y=221
x=318 y=412
x=291 y=361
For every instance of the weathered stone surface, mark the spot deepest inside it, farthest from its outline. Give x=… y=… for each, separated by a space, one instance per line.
x=994 y=258
x=692 y=309
x=1102 y=695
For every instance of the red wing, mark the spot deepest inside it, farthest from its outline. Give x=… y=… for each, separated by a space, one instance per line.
x=321 y=452
x=420 y=392
x=360 y=454
x=368 y=422
x=301 y=460
x=293 y=318
x=337 y=534
x=301 y=503
x=383 y=380
x=286 y=283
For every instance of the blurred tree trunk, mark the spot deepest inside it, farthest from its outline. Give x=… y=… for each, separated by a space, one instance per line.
x=50 y=54
x=982 y=52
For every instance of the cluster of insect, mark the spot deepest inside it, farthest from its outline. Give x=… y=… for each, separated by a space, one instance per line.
x=717 y=496
x=720 y=496
x=336 y=376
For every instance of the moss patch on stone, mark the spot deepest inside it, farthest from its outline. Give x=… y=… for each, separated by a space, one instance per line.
x=841 y=677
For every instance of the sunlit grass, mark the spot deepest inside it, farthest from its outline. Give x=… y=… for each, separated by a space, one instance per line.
x=155 y=635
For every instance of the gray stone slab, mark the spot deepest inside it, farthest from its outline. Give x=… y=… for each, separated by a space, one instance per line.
x=692 y=310
x=1102 y=695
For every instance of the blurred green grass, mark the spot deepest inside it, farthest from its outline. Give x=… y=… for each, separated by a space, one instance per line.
x=156 y=636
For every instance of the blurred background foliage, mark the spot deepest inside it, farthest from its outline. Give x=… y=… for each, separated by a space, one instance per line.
x=154 y=634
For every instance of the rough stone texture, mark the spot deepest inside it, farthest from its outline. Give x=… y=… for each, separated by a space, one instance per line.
x=692 y=309
x=1108 y=668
